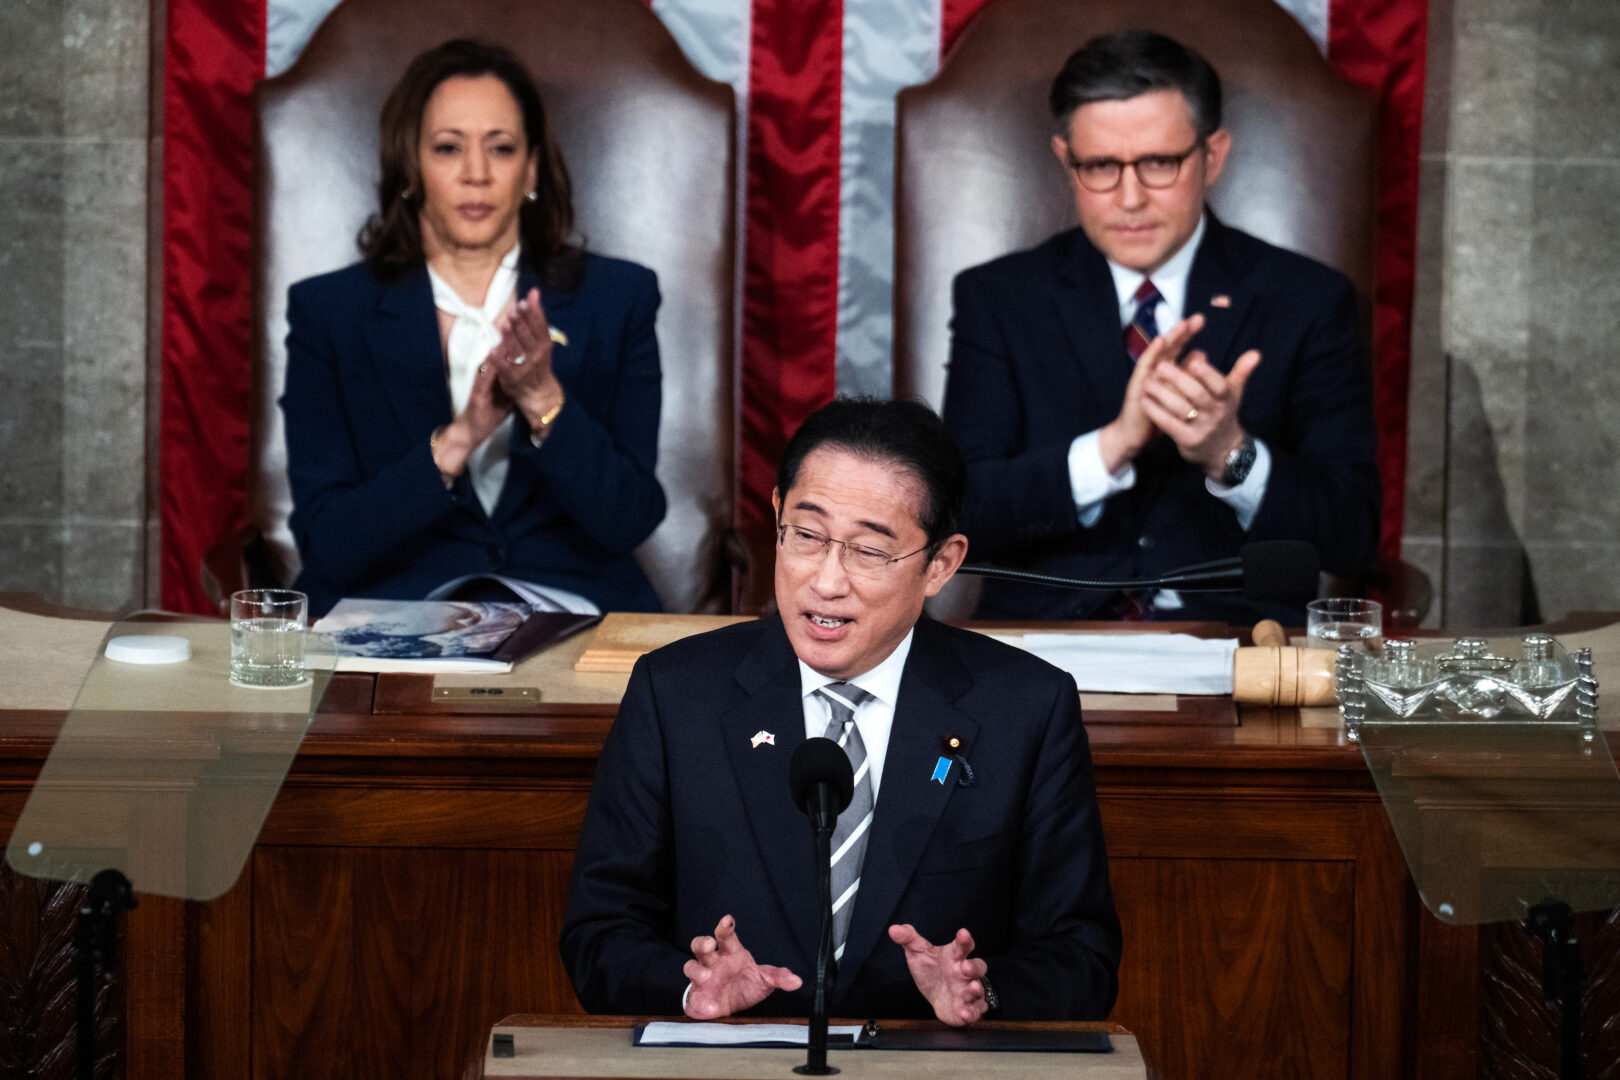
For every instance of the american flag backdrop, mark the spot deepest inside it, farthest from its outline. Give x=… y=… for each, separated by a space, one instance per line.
x=816 y=82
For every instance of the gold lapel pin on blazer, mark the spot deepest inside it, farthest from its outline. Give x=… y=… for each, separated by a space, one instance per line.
x=557 y=335
x=952 y=745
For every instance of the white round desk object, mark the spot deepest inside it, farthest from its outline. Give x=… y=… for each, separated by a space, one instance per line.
x=149 y=649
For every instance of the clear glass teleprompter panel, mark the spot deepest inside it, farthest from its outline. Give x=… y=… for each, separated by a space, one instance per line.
x=1491 y=765
x=166 y=772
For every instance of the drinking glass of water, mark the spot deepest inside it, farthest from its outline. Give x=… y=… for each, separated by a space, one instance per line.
x=1345 y=621
x=267 y=637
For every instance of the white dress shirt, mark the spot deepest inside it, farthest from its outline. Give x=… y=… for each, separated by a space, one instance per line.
x=474 y=333
x=1090 y=482
x=874 y=719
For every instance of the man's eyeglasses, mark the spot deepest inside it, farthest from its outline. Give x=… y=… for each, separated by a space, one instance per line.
x=1102 y=175
x=801 y=543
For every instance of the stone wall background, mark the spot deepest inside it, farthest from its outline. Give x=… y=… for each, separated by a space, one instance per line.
x=73 y=300
x=1513 y=500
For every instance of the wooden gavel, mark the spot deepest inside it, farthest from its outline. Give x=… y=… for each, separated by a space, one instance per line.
x=1272 y=672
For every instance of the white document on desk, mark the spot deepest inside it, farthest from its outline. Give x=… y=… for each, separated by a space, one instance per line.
x=668 y=1033
x=1140 y=663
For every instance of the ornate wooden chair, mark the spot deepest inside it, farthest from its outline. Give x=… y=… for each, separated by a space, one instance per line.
x=975 y=177
x=650 y=147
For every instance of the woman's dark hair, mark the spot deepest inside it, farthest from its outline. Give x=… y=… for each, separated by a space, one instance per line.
x=905 y=434
x=391 y=239
x=1121 y=65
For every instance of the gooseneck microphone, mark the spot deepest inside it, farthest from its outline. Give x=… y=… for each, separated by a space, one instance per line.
x=822 y=782
x=1282 y=571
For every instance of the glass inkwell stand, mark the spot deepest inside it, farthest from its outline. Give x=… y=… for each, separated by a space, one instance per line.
x=1500 y=784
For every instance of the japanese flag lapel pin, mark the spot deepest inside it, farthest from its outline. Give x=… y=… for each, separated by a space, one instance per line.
x=762 y=738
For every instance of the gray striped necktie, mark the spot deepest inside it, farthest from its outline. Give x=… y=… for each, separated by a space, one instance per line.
x=854 y=824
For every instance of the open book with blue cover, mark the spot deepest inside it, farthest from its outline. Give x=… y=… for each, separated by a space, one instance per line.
x=443 y=636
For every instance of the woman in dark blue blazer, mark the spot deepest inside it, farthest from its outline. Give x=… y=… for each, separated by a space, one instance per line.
x=479 y=396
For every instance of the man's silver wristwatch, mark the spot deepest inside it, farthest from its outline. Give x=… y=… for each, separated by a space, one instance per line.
x=1238 y=463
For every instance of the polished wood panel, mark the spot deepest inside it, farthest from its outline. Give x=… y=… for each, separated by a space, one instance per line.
x=409 y=880
x=1264 y=967
x=1292 y=854
x=410 y=819
x=394 y=962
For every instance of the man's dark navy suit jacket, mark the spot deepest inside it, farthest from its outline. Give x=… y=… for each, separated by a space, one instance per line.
x=1038 y=358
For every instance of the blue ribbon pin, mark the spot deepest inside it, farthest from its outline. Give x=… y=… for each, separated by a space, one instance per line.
x=942 y=769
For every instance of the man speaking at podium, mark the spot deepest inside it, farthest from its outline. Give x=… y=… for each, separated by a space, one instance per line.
x=969 y=875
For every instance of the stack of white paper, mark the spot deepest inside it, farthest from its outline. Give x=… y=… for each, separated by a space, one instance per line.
x=1139 y=663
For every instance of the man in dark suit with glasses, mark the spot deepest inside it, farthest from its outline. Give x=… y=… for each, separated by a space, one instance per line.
x=1097 y=444
x=969 y=874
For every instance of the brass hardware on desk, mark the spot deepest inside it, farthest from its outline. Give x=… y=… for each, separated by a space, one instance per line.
x=486 y=695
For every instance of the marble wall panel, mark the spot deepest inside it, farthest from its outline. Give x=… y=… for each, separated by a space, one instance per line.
x=1487 y=580
x=73 y=212
x=1587 y=573
x=31 y=68
x=1426 y=398
x=1490 y=584
x=104 y=330
x=31 y=331
x=105 y=47
x=1577 y=64
x=1493 y=78
x=1527 y=297
x=1573 y=408
x=1490 y=208
x=31 y=242
x=1437 y=79
x=31 y=557
x=1428 y=555
x=101 y=565
x=30 y=438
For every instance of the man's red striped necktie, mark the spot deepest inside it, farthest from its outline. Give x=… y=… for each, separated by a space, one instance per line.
x=1142 y=328
x=1135 y=605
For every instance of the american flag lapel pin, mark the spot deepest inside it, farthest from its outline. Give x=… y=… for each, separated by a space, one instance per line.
x=1220 y=300
x=762 y=738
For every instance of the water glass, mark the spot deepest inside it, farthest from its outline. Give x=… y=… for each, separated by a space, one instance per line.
x=1345 y=621
x=267 y=637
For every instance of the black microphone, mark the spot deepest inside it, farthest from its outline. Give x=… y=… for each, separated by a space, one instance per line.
x=1283 y=571
x=822 y=783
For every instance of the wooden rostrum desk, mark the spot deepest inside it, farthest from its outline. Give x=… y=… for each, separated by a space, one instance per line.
x=408 y=887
